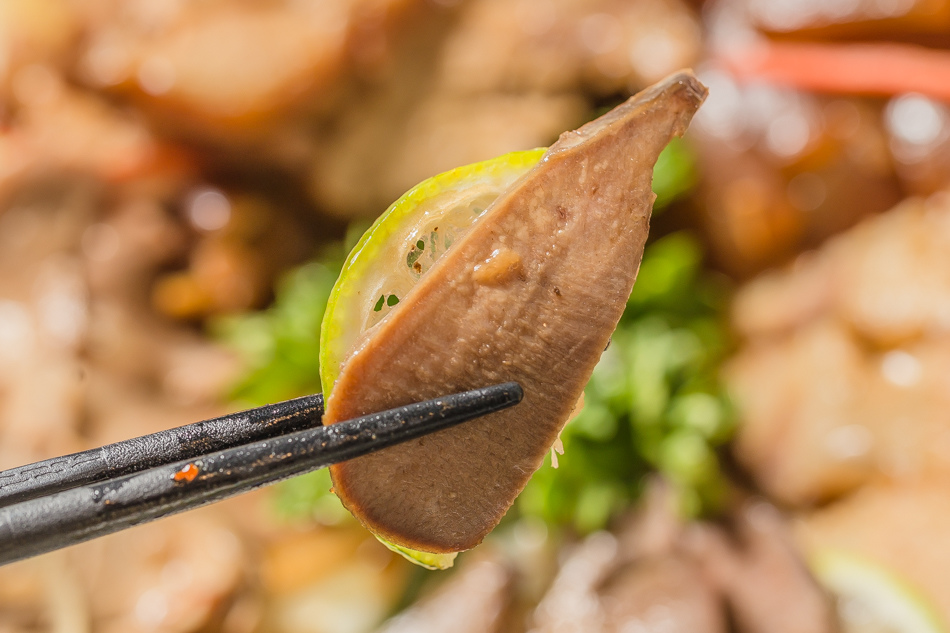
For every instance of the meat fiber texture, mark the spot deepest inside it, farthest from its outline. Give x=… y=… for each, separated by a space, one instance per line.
x=531 y=294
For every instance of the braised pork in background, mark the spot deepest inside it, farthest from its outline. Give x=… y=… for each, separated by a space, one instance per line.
x=178 y=184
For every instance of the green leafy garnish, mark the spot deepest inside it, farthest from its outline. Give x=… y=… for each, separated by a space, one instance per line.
x=281 y=344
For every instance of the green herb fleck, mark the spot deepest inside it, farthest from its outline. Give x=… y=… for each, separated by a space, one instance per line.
x=421 y=245
x=379 y=304
x=390 y=301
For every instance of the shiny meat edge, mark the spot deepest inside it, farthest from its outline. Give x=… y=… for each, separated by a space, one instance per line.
x=531 y=294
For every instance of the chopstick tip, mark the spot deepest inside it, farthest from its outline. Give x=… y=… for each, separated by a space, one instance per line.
x=513 y=391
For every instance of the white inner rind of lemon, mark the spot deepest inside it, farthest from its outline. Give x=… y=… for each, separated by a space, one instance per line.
x=396 y=252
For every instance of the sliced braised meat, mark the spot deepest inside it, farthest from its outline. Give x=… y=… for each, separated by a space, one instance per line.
x=532 y=293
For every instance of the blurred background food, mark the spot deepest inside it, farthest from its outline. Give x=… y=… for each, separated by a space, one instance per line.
x=764 y=446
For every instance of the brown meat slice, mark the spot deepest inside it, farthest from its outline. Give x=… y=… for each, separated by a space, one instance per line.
x=640 y=580
x=760 y=574
x=665 y=595
x=532 y=293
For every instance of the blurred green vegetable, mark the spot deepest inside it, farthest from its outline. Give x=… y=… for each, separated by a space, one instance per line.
x=281 y=344
x=674 y=173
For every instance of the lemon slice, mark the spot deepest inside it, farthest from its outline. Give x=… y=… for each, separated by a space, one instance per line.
x=403 y=244
x=397 y=251
x=872 y=599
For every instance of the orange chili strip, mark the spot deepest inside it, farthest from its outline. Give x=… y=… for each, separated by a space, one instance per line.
x=865 y=69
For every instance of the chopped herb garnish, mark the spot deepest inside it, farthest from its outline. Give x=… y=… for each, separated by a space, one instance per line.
x=412 y=257
x=421 y=245
x=390 y=301
x=379 y=304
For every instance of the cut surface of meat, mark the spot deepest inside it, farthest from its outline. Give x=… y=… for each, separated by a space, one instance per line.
x=532 y=293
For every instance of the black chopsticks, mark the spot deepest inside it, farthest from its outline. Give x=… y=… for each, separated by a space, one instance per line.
x=164 y=447
x=71 y=499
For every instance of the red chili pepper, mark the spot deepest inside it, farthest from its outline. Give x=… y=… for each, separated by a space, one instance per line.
x=864 y=69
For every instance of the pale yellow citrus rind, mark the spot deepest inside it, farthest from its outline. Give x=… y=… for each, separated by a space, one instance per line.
x=871 y=597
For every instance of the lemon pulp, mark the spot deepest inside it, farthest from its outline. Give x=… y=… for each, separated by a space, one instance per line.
x=396 y=251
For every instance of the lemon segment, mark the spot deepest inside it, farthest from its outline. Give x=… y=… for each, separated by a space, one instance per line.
x=872 y=599
x=403 y=244
x=396 y=251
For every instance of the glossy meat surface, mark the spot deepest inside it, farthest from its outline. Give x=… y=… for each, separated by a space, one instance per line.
x=532 y=294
